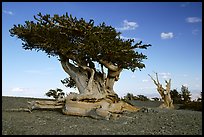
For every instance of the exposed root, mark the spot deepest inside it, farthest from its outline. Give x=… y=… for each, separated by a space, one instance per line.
x=104 y=108
x=18 y=110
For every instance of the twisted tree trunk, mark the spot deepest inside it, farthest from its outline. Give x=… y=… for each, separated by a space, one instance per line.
x=96 y=97
x=164 y=93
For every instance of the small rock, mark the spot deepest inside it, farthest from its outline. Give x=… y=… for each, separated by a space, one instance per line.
x=125 y=122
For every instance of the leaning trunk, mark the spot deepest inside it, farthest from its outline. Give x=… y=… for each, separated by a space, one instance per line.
x=96 y=96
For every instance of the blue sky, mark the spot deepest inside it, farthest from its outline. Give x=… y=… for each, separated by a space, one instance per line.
x=173 y=28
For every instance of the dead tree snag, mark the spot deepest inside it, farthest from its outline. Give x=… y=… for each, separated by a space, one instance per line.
x=164 y=93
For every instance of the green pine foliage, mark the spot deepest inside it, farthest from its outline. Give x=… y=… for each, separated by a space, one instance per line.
x=83 y=42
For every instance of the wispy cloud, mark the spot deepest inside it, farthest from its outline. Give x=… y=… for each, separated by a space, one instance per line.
x=145 y=80
x=195 y=31
x=195 y=94
x=165 y=75
x=153 y=87
x=133 y=76
x=128 y=25
x=8 y=12
x=186 y=85
x=33 y=71
x=185 y=75
x=168 y=35
x=25 y=92
x=126 y=38
x=45 y=71
x=185 y=4
x=197 y=78
x=193 y=19
x=17 y=89
x=197 y=85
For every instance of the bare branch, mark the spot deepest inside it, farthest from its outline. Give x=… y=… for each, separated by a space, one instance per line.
x=109 y=65
x=168 y=86
x=157 y=77
x=153 y=80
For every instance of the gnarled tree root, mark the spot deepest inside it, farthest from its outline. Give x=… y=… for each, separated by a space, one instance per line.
x=41 y=104
x=104 y=108
x=18 y=110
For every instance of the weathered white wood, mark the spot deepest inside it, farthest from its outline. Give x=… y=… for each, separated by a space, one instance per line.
x=165 y=93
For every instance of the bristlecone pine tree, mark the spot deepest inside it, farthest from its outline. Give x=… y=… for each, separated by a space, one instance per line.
x=164 y=93
x=80 y=46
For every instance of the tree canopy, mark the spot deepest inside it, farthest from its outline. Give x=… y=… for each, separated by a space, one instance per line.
x=80 y=41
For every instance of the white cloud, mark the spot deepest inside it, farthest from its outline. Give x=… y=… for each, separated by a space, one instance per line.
x=33 y=71
x=142 y=88
x=145 y=80
x=24 y=92
x=197 y=78
x=128 y=25
x=195 y=96
x=185 y=4
x=8 y=12
x=195 y=31
x=17 y=89
x=197 y=85
x=168 y=35
x=133 y=76
x=185 y=85
x=185 y=75
x=45 y=71
x=126 y=38
x=193 y=20
x=165 y=75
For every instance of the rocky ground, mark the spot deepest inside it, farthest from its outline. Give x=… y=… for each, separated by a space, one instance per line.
x=149 y=121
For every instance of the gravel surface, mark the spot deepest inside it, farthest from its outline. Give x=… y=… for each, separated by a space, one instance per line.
x=148 y=121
